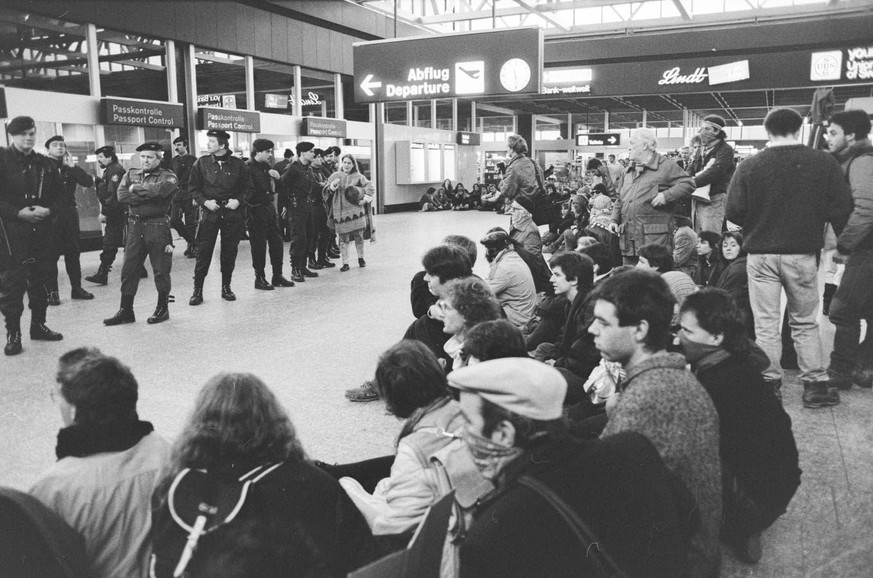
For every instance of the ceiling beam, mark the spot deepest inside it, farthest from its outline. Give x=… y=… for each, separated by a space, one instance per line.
x=683 y=11
x=543 y=15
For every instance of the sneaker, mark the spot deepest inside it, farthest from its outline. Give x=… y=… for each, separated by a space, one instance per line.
x=344 y=268
x=367 y=392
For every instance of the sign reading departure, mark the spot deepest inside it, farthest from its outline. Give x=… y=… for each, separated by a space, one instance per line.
x=598 y=139
x=229 y=120
x=142 y=113
x=496 y=62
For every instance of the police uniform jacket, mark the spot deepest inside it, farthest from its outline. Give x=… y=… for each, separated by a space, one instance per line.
x=148 y=194
x=107 y=189
x=181 y=165
x=219 y=179
x=300 y=186
x=263 y=184
x=71 y=177
x=25 y=181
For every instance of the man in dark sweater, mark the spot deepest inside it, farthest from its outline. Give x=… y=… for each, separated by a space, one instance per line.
x=782 y=199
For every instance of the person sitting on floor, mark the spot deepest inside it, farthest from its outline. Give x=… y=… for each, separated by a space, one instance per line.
x=658 y=258
x=427 y=202
x=759 y=460
x=465 y=303
x=734 y=279
x=684 y=246
x=510 y=278
x=709 y=261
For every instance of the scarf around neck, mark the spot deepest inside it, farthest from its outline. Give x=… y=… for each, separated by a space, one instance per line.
x=81 y=441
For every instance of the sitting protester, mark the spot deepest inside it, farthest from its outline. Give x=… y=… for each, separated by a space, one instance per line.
x=493 y=340
x=237 y=433
x=427 y=201
x=510 y=278
x=658 y=258
x=108 y=463
x=492 y=199
x=465 y=303
x=633 y=510
x=554 y=241
x=659 y=397
x=684 y=246
x=441 y=200
x=579 y=208
x=759 y=459
x=522 y=229
x=709 y=260
x=734 y=279
x=461 y=200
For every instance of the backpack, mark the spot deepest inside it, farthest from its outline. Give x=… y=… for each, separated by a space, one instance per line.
x=544 y=210
x=197 y=504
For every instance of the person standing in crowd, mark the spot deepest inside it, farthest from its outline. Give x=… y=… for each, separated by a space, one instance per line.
x=319 y=232
x=782 y=197
x=633 y=512
x=263 y=221
x=109 y=462
x=348 y=191
x=66 y=223
x=280 y=166
x=646 y=193
x=30 y=192
x=759 y=460
x=510 y=278
x=148 y=192
x=615 y=169
x=299 y=189
x=714 y=166
x=111 y=212
x=684 y=160
x=219 y=183
x=849 y=142
x=331 y=165
x=659 y=398
x=184 y=210
x=523 y=175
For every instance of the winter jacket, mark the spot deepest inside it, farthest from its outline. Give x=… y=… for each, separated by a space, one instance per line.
x=576 y=351
x=512 y=283
x=521 y=177
x=525 y=233
x=735 y=280
x=718 y=174
x=219 y=179
x=857 y=163
x=639 y=222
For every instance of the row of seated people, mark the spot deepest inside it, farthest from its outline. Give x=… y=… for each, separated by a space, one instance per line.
x=451 y=198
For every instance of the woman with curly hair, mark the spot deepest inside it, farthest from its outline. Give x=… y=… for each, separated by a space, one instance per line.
x=238 y=427
x=351 y=194
x=466 y=302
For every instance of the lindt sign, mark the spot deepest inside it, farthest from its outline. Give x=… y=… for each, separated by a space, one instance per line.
x=674 y=76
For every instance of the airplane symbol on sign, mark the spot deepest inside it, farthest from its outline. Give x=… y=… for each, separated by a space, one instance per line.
x=368 y=84
x=470 y=73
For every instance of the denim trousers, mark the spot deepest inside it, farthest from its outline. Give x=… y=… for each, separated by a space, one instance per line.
x=853 y=302
x=798 y=276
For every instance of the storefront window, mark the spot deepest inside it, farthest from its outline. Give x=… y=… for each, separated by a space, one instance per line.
x=274 y=87
x=221 y=79
x=132 y=66
x=42 y=53
x=317 y=91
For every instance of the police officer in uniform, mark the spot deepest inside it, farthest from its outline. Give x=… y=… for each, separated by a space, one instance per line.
x=147 y=192
x=219 y=183
x=66 y=222
x=184 y=211
x=111 y=212
x=30 y=191
x=319 y=233
x=300 y=188
x=263 y=224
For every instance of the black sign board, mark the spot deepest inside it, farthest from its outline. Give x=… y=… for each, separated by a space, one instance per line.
x=142 y=113
x=469 y=138
x=312 y=126
x=229 y=119
x=495 y=62
x=3 y=112
x=598 y=139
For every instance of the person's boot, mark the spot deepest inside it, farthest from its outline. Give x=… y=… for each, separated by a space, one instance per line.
x=197 y=296
x=124 y=314
x=227 y=294
x=79 y=293
x=325 y=264
x=53 y=298
x=13 y=342
x=101 y=277
x=313 y=264
x=818 y=394
x=296 y=275
x=829 y=290
x=143 y=273
x=280 y=281
x=162 y=311
x=307 y=273
x=261 y=282
x=776 y=385
x=361 y=262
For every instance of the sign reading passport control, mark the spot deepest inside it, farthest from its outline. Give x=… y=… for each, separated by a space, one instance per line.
x=229 y=119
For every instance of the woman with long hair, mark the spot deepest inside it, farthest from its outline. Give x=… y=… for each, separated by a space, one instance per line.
x=351 y=194
x=734 y=279
x=238 y=427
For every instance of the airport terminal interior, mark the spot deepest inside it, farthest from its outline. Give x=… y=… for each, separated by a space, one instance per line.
x=384 y=80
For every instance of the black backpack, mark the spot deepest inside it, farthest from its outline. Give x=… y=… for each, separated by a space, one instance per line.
x=544 y=210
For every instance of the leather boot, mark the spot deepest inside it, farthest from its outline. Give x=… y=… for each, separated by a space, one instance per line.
x=829 y=290
x=307 y=273
x=38 y=329
x=101 y=277
x=124 y=314
x=818 y=394
x=197 y=296
x=280 y=281
x=79 y=293
x=313 y=264
x=227 y=294
x=297 y=276
x=261 y=282
x=162 y=311
x=13 y=343
x=53 y=298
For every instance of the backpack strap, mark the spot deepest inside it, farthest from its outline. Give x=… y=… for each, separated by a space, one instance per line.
x=601 y=561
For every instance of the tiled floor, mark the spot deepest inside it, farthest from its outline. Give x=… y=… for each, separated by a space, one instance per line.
x=313 y=341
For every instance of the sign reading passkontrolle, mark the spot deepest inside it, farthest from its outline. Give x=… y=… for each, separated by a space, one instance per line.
x=142 y=113
x=229 y=119
x=471 y=63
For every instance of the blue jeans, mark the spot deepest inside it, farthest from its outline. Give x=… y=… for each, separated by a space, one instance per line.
x=852 y=303
x=798 y=276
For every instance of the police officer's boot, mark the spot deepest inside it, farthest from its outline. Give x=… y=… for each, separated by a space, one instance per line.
x=53 y=298
x=124 y=314
x=101 y=277
x=162 y=311
x=197 y=296
x=38 y=329
x=307 y=273
x=261 y=282
x=227 y=294
x=13 y=338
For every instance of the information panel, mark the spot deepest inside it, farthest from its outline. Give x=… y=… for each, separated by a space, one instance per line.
x=229 y=120
x=495 y=62
x=142 y=113
x=597 y=139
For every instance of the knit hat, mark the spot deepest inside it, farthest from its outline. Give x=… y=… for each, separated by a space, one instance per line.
x=716 y=122
x=600 y=210
x=20 y=124
x=525 y=202
x=524 y=386
x=498 y=238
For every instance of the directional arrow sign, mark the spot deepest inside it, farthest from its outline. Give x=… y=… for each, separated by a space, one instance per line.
x=600 y=139
x=368 y=85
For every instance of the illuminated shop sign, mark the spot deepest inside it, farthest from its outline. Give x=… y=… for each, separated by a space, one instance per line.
x=567 y=80
x=142 y=113
x=230 y=120
x=851 y=64
x=285 y=101
x=476 y=63
x=719 y=74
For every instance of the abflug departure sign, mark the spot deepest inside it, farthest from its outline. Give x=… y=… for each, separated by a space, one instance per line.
x=467 y=64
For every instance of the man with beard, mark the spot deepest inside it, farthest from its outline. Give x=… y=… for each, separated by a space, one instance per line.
x=111 y=212
x=66 y=223
x=714 y=166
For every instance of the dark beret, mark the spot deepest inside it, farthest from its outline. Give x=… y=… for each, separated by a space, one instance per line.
x=218 y=134
x=19 y=124
x=150 y=146
x=319 y=152
x=180 y=139
x=304 y=146
x=288 y=153
x=55 y=138
x=106 y=151
x=262 y=144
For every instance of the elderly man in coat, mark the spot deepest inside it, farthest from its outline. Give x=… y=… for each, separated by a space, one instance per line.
x=646 y=195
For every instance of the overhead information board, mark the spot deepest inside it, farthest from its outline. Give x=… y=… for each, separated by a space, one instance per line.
x=496 y=62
